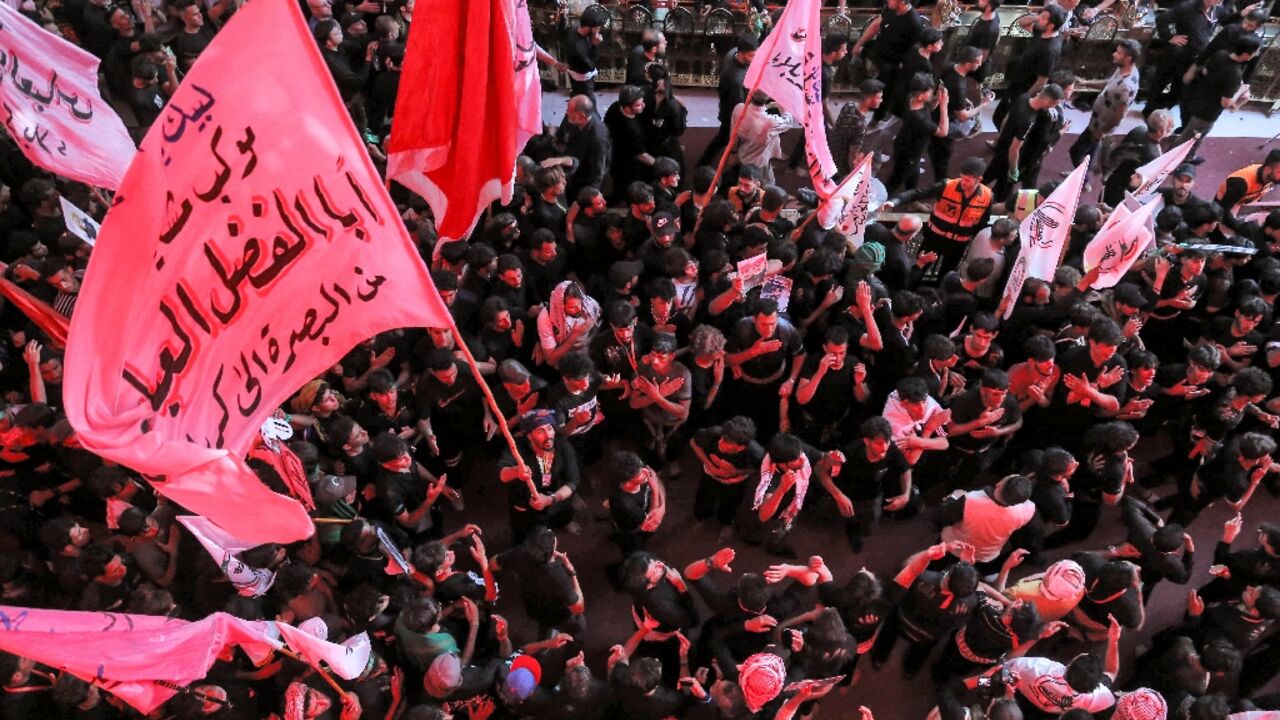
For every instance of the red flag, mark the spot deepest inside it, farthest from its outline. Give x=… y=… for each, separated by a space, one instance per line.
x=453 y=135
x=137 y=658
x=257 y=248
x=53 y=323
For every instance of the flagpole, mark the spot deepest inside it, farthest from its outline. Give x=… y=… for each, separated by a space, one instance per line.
x=733 y=135
x=323 y=673
x=499 y=418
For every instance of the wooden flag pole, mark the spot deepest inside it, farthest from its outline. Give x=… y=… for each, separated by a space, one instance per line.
x=323 y=673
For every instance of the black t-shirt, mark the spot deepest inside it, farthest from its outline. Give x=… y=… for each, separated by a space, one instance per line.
x=546 y=588
x=747 y=462
x=583 y=408
x=146 y=104
x=917 y=130
x=984 y=34
x=1221 y=79
x=455 y=409
x=862 y=480
x=1038 y=59
x=923 y=617
x=744 y=335
x=628 y=509
x=188 y=46
x=896 y=36
x=1017 y=124
x=967 y=406
x=1125 y=606
x=834 y=394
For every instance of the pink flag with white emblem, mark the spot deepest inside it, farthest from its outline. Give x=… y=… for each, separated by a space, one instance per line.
x=1044 y=236
x=1155 y=172
x=52 y=107
x=848 y=208
x=1118 y=245
x=788 y=68
x=310 y=640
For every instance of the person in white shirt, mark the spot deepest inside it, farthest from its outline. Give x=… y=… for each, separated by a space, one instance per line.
x=1048 y=686
x=760 y=134
x=919 y=423
x=987 y=518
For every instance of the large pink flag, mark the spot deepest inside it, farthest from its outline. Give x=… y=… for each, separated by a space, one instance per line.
x=248 y=250
x=788 y=68
x=1154 y=173
x=1118 y=245
x=1044 y=236
x=52 y=108
x=130 y=656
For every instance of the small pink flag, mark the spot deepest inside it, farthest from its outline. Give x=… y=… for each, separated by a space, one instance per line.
x=1044 y=236
x=310 y=641
x=1155 y=172
x=52 y=108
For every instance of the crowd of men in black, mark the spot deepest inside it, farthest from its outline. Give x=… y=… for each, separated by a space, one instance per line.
x=858 y=383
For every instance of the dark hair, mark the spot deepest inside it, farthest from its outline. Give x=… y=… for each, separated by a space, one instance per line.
x=639 y=193
x=94 y=560
x=576 y=365
x=387 y=447
x=1025 y=622
x=875 y=427
x=1111 y=437
x=663 y=343
x=785 y=447
x=323 y=29
x=1057 y=16
x=55 y=534
x=380 y=382
x=1040 y=348
x=429 y=556
x=913 y=389
x=1209 y=707
x=664 y=166
x=540 y=544
x=1015 y=489
x=420 y=614
x=625 y=464
x=1251 y=381
x=962 y=579
x=1084 y=673
x=973 y=166
x=1221 y=656
x=1105 y=331
x=739 y=430
x=906 y=303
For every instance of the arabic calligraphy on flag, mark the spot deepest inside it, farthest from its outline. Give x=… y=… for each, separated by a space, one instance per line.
x=260 y=246
x=51 y=107
x=788 y=68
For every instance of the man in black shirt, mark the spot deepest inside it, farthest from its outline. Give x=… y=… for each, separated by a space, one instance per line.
x=631 y=161
x=918 y=129
x=930 y=605
x=730 y=458
x=542 y=483
x=766 y=353
x=732 y=91
x=1031 y=70
x=581 y=50
x=1218 y=86
x=587 y=146
x=875 y=476
x=653 y=44
x=1002 y=173
x=1185 y=30
x=894 y=30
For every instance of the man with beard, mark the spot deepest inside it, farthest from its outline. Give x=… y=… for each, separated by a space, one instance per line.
x=542 y=482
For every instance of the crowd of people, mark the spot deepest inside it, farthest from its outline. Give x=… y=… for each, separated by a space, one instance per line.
x=849 y=388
